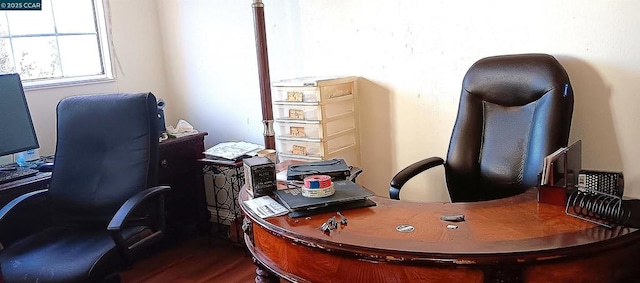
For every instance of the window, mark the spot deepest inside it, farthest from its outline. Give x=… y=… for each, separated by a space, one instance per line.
x=63 y=43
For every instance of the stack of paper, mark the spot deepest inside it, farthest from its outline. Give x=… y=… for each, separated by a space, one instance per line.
x=265 y=206
x=233 y=150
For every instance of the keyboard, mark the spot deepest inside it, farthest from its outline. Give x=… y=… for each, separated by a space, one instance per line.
x=13 y=175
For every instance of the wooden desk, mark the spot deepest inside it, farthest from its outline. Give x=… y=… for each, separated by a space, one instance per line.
x=11 y=190
x=515 y=239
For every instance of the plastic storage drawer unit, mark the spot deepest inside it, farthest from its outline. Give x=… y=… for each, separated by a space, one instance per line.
x=317 y=118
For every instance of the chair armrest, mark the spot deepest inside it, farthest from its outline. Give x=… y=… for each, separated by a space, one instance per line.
x=131 y=204
x=22 y=216
x=123 y=214
x=21 y=200
x=409 y=172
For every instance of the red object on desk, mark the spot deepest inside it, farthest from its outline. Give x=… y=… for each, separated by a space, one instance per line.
x=553 y=195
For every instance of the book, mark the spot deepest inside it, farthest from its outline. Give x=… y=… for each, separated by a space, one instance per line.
x=265 y=207
x=561 y=167
x=346 y=191
x=547 y=165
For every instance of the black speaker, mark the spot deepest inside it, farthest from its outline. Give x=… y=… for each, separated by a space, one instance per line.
x=161 y=124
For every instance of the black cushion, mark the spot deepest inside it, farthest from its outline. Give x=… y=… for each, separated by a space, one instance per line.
x=63 y=254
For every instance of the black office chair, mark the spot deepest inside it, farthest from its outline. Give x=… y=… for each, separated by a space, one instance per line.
x=514 y=110
x=101 y=202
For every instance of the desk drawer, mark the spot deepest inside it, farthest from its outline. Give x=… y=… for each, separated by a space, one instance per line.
x=180 y=156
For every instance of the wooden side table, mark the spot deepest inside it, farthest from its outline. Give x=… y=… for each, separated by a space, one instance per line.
x=179 y=168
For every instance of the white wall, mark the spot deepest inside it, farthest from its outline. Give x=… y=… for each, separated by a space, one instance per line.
x=136 y=40
x=212 y=68
x=416 y=52
x=411 y=56
x=199 y=55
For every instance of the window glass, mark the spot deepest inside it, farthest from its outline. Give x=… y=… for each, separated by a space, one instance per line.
x=73 y=16
x=64 y=42
x=31 y=22
x=85 y=62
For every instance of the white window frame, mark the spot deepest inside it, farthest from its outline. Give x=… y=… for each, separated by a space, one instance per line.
x=105 y=53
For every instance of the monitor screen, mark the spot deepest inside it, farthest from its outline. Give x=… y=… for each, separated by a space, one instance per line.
x=16 y=128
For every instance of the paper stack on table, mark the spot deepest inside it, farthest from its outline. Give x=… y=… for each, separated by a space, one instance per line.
x=265 y=206
x=233 y=150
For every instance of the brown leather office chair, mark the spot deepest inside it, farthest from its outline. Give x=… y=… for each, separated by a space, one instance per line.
x=514 y=110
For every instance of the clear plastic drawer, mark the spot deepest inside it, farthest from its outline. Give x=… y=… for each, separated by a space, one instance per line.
x=314 y=129
x=311 y=94
x=315 y=148
x=313 y=111
x=296 y=94
x=292 y=111
x=350 y=156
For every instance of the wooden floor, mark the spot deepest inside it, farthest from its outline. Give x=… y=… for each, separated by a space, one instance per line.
x=195 y=260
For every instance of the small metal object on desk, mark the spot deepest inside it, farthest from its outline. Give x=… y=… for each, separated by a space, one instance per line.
x=451 y=226
x=325 y=227
x=343 y=220
x=453 y=218
x=331 y=224
x=404 y=228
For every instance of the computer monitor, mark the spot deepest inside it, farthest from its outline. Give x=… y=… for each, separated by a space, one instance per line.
x=16 y=128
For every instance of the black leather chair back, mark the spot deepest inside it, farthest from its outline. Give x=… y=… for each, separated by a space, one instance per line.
x=99 y=162
x=514 y=110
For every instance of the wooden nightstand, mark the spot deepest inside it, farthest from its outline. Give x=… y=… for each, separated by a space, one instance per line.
x=179 y=168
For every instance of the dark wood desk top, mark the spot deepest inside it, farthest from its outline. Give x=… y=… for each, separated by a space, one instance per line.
x=26 y=181
x=11 y=190
x=171 y=141
x=510 y=226
x=506 y=232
